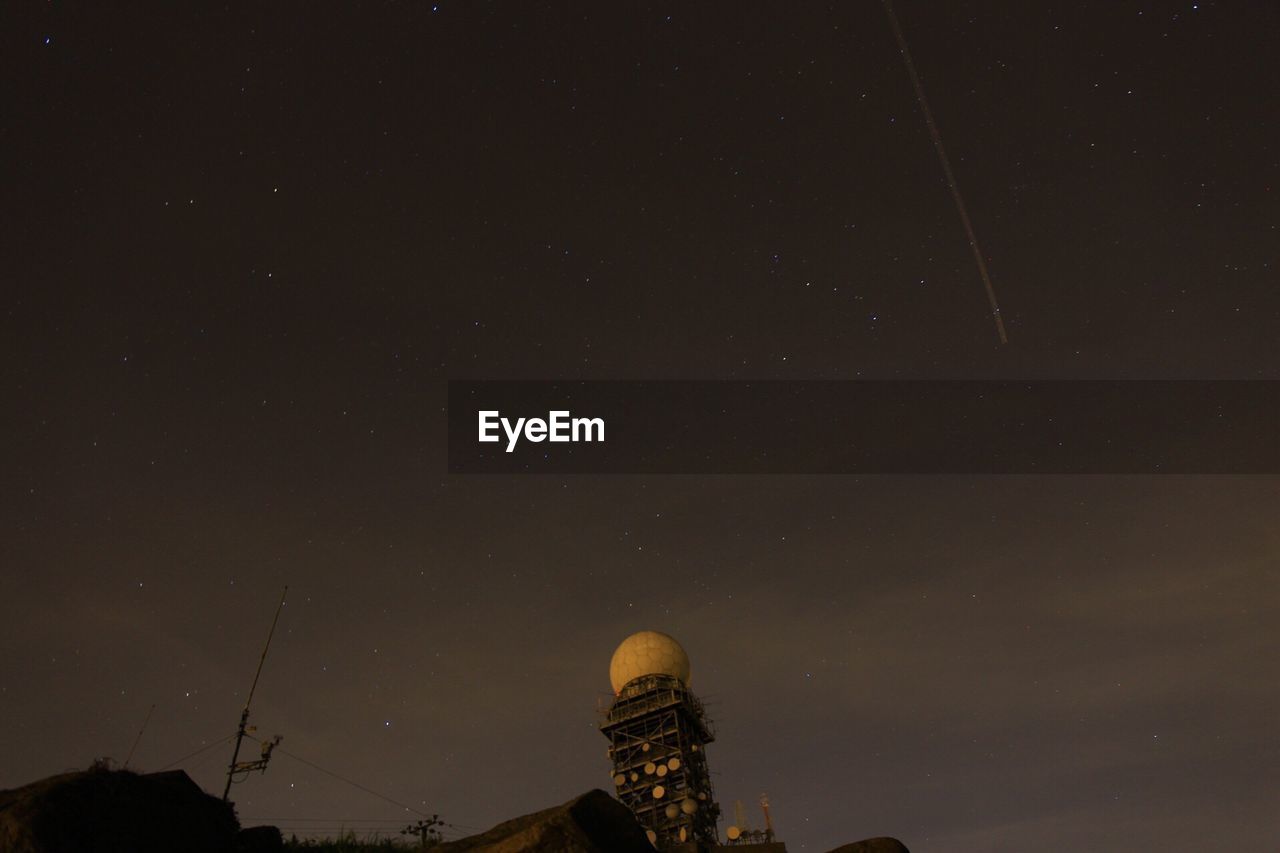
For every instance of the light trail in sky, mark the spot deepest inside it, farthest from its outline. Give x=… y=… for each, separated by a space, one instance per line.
x=946 y=169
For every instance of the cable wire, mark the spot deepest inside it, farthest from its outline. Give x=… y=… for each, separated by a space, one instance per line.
x=350 y=782
x=205 y=748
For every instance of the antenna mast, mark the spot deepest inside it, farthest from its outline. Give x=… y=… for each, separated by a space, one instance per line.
x=768 y=820
x=244 y=715
x=134 y=748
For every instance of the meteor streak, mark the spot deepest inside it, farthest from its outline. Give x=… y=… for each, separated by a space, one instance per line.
x=946 y=168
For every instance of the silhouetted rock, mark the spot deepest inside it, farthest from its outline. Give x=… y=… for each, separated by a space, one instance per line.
x=260 y=839
x=592 y=823
x=873 y=845
x=115 y=811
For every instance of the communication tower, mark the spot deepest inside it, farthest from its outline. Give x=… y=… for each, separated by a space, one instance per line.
x=658 y=733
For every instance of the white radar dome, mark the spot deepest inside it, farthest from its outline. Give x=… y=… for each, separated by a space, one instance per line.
x=647 y=653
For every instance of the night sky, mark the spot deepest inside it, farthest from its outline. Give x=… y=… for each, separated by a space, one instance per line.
x=244 y=248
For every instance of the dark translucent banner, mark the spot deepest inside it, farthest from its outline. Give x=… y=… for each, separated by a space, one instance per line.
x=864 y=427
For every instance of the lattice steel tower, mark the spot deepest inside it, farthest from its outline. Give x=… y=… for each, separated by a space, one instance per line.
x=658 y=734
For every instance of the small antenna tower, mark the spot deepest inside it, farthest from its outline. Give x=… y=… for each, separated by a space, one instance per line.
x=267 y=746
x=768 y=821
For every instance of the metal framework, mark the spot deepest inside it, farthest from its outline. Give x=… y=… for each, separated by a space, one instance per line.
x=658 y=733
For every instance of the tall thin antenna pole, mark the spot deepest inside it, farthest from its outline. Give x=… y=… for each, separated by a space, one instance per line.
x=946 y=169
x=139 y=737
x=768 y=820
x=244 y=715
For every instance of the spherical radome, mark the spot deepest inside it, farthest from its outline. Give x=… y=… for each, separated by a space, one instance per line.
x=647 y=653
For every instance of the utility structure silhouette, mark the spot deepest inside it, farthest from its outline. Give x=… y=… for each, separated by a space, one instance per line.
x=242 y=767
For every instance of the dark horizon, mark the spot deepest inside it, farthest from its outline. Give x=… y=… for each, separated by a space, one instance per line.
x=247 y=248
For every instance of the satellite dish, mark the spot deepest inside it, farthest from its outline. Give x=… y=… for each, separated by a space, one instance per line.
x=652 y=836
x=644 y=748
x=658 y=792
x=634 y=776
x=662 y=770
x=673 y=764
x=734 y=833
x=701 y=795
x=620 y=780
x=650 y=768
x=671 y=811
x=684 y=834
x=689 y=806
x=693 y=748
